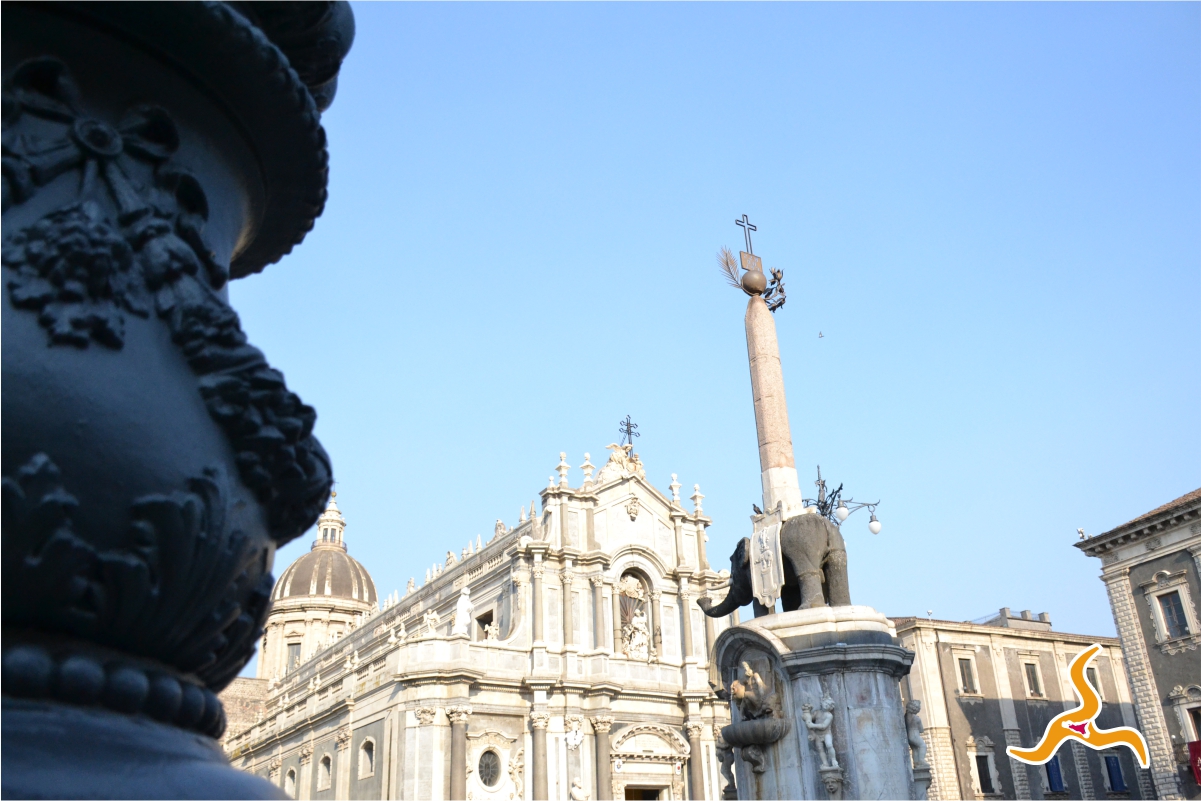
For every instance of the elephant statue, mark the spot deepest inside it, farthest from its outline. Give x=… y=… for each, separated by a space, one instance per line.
x=815 y=569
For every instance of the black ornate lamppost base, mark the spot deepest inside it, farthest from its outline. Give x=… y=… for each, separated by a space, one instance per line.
x=153 y=460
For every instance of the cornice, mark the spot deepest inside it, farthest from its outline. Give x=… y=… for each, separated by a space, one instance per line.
x=1140 y=529
x=906 y=624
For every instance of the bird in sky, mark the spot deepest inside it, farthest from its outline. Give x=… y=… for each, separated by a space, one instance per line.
x=1080 y=531
x=820 y=335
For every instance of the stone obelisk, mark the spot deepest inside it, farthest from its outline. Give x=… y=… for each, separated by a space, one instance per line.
x=814 y=691
x=776 y=463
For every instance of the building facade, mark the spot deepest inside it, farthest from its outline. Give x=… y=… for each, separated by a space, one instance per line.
x=984 y=687
x=1151 y=567
x=563 y=658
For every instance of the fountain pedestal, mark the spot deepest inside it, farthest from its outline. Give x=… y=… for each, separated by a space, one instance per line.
x=809 y=665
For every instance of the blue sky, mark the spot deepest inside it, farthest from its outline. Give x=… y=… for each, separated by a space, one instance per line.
x=992 y=213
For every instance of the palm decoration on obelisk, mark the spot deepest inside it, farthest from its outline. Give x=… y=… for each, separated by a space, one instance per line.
x=781 y=487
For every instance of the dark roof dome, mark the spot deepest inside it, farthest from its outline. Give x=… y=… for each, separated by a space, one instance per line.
x=327 y=570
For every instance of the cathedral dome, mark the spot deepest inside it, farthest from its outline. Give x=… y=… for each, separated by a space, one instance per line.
x=327 y=571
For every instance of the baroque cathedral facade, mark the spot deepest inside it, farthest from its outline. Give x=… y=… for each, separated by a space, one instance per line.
x=562 y=658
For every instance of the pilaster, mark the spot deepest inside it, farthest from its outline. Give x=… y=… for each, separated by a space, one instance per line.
x=1142 y=682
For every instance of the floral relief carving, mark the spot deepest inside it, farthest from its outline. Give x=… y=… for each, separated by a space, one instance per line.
x=178 y=547
x=131 y=242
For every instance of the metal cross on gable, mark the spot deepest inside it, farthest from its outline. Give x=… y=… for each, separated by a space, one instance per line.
x=745 y=225
x=628 y=430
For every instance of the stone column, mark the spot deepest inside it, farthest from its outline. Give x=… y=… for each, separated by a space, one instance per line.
x=539 y=719
x=678 y=522
x=458 y=750
x=598 y=611
x=617 y=649
x=342 y=740
x=1009 y=720
x=656 y=627
x=702 y=552
x=1147 y=703
x=536 y=601
x=304 y=779
x=686 y=612
x=601 y=724
x=779 y=474
x=696 y=761
x=568 y=624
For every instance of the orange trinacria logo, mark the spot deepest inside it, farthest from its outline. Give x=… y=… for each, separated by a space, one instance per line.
x=1080 y=723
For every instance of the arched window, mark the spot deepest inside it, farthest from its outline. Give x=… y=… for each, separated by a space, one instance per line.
x=367 y=759
x=325 y=772
x=290 y=783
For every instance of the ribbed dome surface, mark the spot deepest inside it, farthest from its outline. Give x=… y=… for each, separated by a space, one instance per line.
x=329 y=572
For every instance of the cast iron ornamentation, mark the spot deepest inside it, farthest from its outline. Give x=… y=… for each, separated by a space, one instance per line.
x=80 y=274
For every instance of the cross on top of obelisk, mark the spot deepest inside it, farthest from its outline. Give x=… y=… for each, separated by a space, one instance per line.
x=745 y=225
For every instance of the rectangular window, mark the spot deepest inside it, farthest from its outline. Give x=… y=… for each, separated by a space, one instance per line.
x=985 y=773
x=967 y=679
x=1113 y=767
x=293 y=657
x=481 y=625
x=1054 y=776
x=1173 y=615
x=1194 y=715
x=1091 y=675
x=1033 y=685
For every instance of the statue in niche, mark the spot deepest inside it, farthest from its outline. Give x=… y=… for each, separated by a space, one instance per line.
x=750 y=695
x=636 y=637
x=429 y=622
x=578 y=793
x=820 y=725
x=761 y=721
x=492 y=632
x=913 y=731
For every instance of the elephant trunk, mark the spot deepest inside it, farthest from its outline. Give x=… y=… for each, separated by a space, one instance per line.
x=727 y=606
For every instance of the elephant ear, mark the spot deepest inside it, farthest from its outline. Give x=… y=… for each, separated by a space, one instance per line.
x=742 y=554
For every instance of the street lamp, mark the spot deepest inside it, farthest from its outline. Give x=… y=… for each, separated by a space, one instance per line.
x=836 y=509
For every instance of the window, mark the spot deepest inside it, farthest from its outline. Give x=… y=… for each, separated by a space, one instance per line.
x=367 y=759
x=293 y=657
x=325 y=772
x=981 y=754
x=489 y=768
x=967 y=676
x=290 y=783
x=1173 y=615
x=1034 y=686
x=1173 y=611
x=984 y=771
x=1091 y=675
x=1113 y=771
x=482 y=623
x=1195 y=716
x=1055 y=776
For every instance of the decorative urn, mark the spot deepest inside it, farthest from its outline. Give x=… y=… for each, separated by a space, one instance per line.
x=152 y=459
